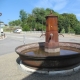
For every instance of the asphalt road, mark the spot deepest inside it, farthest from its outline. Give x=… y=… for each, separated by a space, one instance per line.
x=12 y=41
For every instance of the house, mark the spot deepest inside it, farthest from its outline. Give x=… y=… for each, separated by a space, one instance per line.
x=1 y=30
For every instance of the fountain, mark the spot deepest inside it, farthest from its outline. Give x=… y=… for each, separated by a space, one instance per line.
x=51 y=43
x=50 y=55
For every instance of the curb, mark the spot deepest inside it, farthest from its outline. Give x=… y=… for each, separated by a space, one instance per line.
x=3 y=38
x=58 y=73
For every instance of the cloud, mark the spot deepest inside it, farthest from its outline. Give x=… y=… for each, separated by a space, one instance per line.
x=44 y=4
x=53 y=4
x=78 y=15
x=59 y=6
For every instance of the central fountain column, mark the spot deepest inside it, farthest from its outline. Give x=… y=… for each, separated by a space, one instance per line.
x=51 y=40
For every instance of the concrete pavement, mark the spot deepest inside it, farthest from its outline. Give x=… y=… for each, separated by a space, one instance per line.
x=9 y=69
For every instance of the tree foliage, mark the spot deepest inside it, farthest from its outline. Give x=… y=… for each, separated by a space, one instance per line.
x=36 y=20
x=77 y=28
x=15 y=23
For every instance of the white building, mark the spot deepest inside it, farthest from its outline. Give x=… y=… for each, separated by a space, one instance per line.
x=1 y=29
x=2 y=24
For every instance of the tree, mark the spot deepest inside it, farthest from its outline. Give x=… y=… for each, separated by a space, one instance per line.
x=31 y=21
x=77 y=28
x=37 y=20
x=39 y=15
x=71 y=18
x=23 y=17
x=15 y=23
x=60 y=23
x=66 y=23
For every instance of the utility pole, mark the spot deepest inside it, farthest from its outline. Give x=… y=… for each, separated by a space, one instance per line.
x=0 y=24
x=42 y=26
x=9 y=25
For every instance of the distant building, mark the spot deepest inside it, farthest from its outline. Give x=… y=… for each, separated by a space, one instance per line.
x=2 y=24
x=1 y=31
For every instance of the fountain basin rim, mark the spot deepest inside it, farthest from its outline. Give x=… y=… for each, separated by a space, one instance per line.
x=49 y=57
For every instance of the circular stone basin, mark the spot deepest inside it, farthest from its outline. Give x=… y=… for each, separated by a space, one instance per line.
x=34 y=55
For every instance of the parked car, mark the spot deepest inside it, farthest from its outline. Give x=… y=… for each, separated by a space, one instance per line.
x=17 y=31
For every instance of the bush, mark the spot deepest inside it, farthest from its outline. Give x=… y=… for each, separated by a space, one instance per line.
x=25 y=28
x=70 y=30
x=62 y=31
x=77 y=29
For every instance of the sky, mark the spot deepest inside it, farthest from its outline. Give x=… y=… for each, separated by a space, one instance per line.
x=10 y=8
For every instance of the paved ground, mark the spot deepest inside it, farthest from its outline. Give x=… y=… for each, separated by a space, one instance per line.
x=9 y=67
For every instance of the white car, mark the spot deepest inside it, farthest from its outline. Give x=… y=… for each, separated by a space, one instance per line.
x=17 y=31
